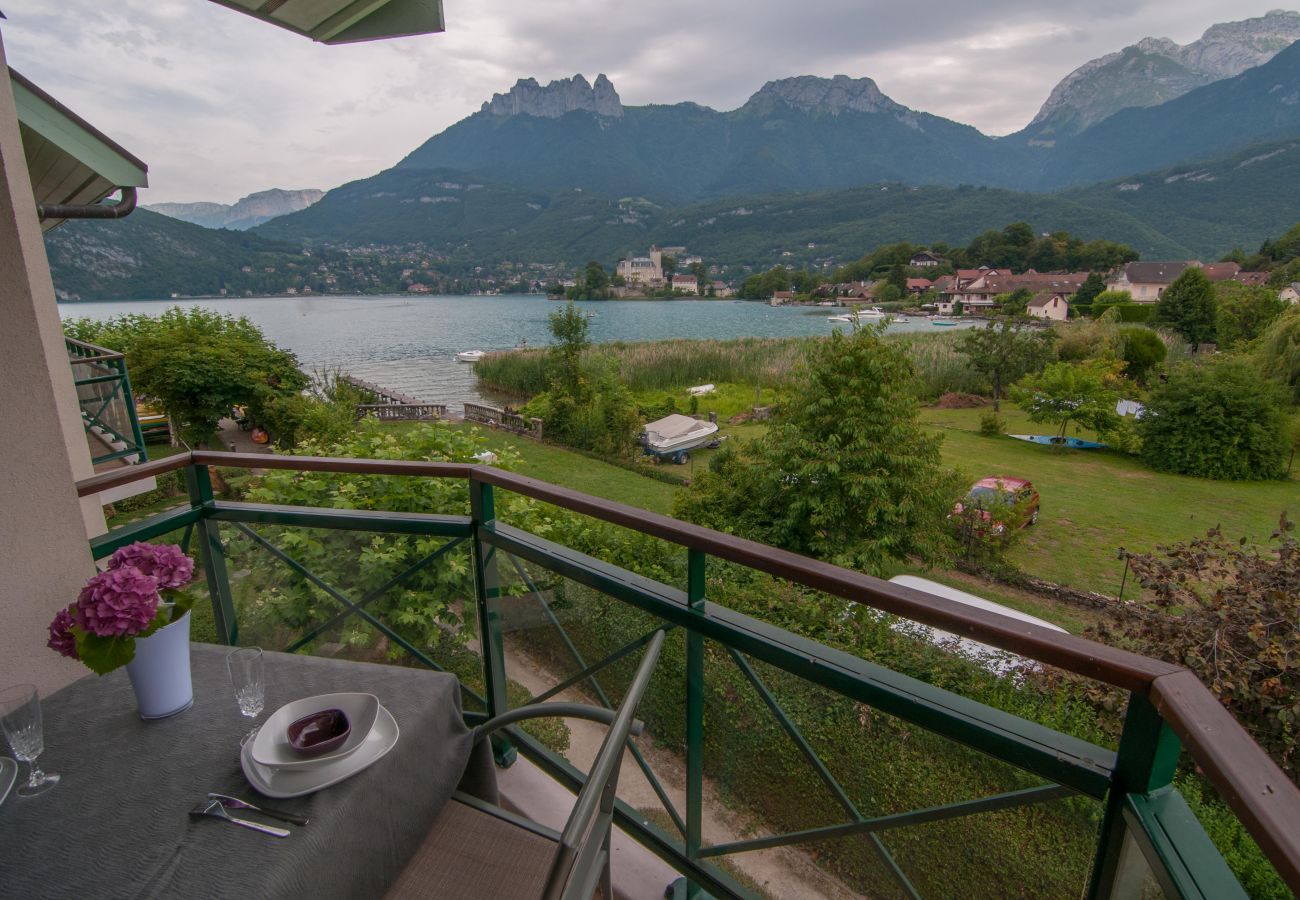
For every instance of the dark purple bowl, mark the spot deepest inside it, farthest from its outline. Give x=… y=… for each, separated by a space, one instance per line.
x=319 y=732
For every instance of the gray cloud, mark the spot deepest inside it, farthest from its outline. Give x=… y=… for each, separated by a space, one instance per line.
x=221 y=105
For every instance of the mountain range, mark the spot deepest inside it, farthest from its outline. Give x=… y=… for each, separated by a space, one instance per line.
x=1155 y=71
x=243 y=213
x=813 y=168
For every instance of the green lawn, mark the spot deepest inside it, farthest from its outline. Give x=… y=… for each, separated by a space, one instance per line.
x=573 y=470
x=1094 y=502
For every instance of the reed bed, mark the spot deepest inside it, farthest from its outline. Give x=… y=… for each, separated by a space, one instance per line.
x=759 y=362
x=940 y=369
x=657 y=365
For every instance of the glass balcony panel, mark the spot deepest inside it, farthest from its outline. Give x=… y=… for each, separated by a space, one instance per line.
x=292 y=586
x=839 y=762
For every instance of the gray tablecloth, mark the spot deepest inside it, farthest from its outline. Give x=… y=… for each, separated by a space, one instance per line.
x=118 y=825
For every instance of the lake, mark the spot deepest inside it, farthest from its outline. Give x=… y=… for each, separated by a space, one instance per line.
x=408 y=344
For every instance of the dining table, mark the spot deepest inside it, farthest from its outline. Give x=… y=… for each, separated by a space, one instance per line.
x=118 y=823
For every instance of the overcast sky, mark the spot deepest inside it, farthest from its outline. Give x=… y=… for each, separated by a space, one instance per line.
x=220 y=105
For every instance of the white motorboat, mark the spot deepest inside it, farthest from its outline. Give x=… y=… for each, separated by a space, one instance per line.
x=675 y=434
x=470 y=356
x=874 y=314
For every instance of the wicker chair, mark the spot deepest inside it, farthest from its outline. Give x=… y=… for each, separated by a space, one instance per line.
x=477 y=850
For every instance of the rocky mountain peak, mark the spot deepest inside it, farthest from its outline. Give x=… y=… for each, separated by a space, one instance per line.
x=564 y=95
x=243 y=214
x=825 y=95
x=1156 y=70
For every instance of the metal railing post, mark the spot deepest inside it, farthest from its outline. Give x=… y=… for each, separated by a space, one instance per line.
x=128 y=398
x=487 y=590
x=695 y=589
x=198 y=482
x=1147 y=760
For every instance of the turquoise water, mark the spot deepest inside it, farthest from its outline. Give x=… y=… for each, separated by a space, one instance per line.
x=408 y=344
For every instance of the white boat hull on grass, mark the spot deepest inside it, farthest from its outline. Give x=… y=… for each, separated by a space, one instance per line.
x=674 y=435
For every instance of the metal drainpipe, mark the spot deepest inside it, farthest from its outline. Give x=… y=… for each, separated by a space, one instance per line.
x=122 y=208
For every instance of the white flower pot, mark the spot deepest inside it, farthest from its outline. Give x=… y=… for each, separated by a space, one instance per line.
x=160 y=672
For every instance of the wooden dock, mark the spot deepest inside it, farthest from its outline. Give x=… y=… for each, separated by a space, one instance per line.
x=383 y=396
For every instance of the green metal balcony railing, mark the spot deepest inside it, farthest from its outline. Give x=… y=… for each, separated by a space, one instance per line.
x=1145 y=840
x=107 y=406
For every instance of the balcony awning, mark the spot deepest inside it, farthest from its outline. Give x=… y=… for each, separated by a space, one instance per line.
x=346 y=21
x=70 y=161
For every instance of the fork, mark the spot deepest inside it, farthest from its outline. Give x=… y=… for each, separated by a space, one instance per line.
x=236 y=803
x=217 y=811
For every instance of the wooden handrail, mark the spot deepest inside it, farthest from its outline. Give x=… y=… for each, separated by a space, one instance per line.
x=1253 y=786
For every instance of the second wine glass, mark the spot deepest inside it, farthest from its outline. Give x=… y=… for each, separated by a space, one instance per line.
x=20 y=719
x=248 y=678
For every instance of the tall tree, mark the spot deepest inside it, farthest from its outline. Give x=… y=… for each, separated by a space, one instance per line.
x=898 y=277
x=1277 y=354
x=1093 y=285
x=1244 y=312
x=846 y=472
x=197 y=364
x=1188 y=306
x=1004 y=353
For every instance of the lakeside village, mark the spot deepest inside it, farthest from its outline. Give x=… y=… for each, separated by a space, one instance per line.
x=927 y=282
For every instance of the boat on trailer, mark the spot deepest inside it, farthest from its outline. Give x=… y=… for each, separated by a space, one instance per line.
x=674 y=435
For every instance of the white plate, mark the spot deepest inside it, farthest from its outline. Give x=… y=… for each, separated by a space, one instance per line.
x=8 y=773
x=282 y=782
x=271 y=746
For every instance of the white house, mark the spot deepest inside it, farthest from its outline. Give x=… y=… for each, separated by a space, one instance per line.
x=1290 y=293
x=1146 y=281
x=1047 y=305
x=686 y=283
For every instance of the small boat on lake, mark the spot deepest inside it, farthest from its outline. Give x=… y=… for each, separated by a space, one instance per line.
x=470 y=356
x=943 y=323
x=673 y=435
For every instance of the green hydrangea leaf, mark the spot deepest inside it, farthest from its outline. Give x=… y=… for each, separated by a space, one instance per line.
x=104 y=654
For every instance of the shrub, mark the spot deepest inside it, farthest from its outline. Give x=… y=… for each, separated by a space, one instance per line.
x=1084 y=393
x=1216 y=420
x=1142 y=350
x=991 y=424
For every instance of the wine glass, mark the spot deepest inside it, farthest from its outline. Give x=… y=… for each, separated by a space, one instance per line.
x=249 y=681
x=20 y=718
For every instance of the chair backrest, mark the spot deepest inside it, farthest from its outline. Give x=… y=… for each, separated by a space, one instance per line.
x=581 y=861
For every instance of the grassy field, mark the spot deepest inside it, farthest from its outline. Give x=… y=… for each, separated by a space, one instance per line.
x=1094 y=502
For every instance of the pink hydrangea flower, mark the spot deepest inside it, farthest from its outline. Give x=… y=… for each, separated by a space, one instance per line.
x=167 y=563
x=121 y=601
x=62 y=640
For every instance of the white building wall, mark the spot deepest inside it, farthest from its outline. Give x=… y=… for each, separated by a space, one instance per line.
x=44 y=557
